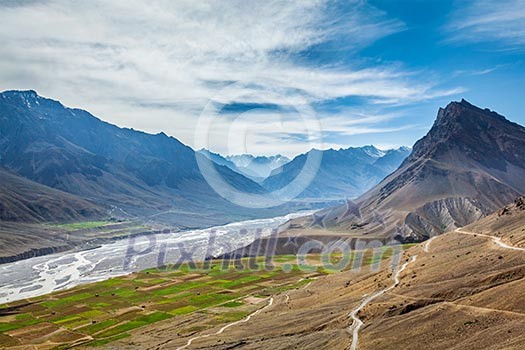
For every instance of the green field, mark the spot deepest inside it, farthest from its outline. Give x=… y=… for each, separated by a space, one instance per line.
x=83 y=225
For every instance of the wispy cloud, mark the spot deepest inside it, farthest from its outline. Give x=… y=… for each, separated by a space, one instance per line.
x=155 y=65
x=498 y=21
x=478 y=72
x=266 y=131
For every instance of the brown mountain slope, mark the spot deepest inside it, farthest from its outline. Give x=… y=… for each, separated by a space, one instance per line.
x=507 y=223
x=23 y=200
x=463 y=291
x=469 y=164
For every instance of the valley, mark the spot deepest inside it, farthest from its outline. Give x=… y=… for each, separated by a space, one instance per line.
x=464 y=281
x=262 y=175
x=346 y=277
x=61 y=165
x=464 y=278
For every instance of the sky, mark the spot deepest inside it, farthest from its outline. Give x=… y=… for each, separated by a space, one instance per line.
x=268 y=77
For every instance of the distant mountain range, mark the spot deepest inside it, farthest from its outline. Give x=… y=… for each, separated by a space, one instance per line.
x=470 y=163
x=256 y=168
x=343 y=173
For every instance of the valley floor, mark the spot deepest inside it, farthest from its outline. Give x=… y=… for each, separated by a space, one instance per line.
x=460 y=290
x=180 y=303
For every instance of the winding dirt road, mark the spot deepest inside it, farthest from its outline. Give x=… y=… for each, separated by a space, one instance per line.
x=357 y=323
x=270 y=303
x=496 y=240
x=427 y=244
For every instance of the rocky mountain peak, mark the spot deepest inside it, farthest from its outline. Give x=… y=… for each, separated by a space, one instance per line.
x=29 y=99
x=465 y=112
x=27 y=96
x=478 y=133
x=21 y=93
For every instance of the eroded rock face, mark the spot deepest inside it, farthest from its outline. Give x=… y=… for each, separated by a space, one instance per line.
x=443 y=215
x=517 y=206
x=34 y=252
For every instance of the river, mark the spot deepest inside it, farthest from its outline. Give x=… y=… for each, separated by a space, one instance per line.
x=45 y=274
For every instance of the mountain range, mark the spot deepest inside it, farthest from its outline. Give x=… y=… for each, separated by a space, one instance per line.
x=470 y=163
x=342 y=173
x=61 y=164
x=118 y=171
x=256 y=168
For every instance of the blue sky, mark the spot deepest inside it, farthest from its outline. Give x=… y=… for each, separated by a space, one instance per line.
x=269 y=77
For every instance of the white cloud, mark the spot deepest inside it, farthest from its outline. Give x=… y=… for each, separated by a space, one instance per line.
x=500 y=21
x=262 y=131
x=154 y=65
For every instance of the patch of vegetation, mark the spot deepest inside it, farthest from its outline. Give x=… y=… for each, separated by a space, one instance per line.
x=92 y=309
x=139 y=322
x=108 y=340
x=83 y=225
x=26 y=319
x=209 y=299
x=66 y=300
x=97 y=327
x=112 y=282
x=4 y=327
x=67 y=319
x=177 y=288
x=154 y=317
x=183 y=310
x=241 y=281
x=233 y=304
x=99 y=305
x=121 y=328
x=91 y=313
